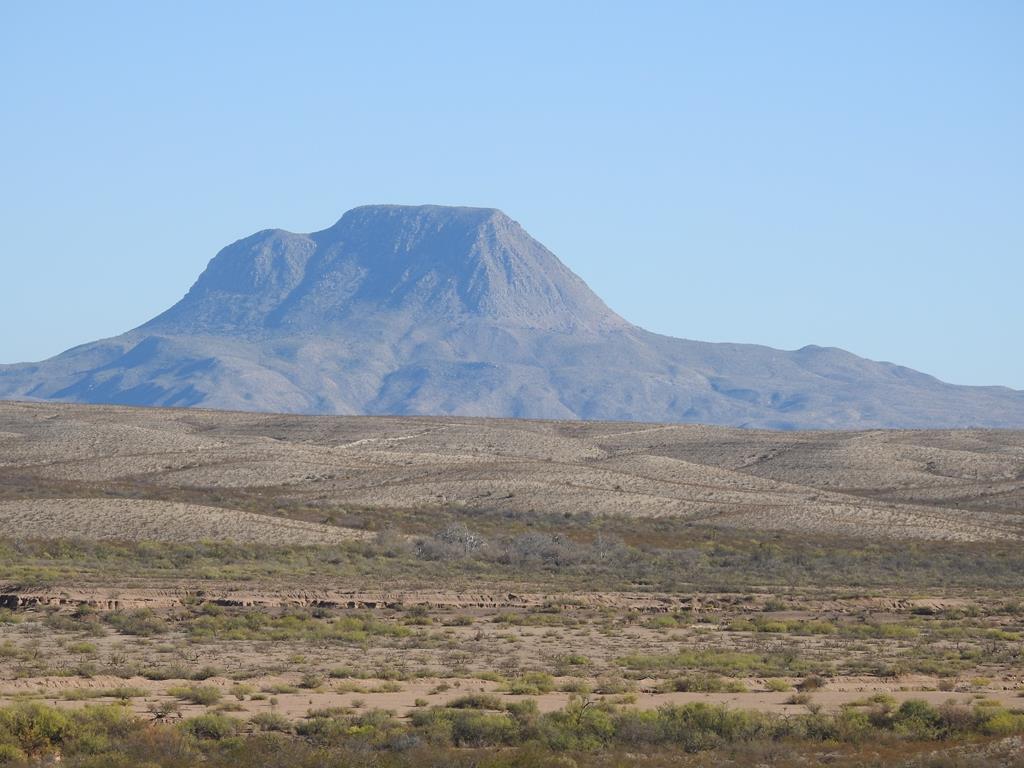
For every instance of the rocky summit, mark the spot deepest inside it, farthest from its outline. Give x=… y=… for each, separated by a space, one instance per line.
x=458 y=311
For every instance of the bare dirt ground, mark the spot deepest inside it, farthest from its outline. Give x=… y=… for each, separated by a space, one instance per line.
x=938 y=485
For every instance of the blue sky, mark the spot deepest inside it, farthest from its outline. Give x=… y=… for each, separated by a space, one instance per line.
x=785 y=173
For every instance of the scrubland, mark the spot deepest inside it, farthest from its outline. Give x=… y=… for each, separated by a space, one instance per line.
x=230 y=589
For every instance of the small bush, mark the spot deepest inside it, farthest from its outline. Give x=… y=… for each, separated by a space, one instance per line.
x=311 y=680
x=271 y=721
x=577 y=686
x=574 y=660
x=1001 y=722
x=213 y=726
x=205 y=673
x=141 y=622
x=532 y=684
x=702 y=683
x=476 y=729
x=476 y=701
x=241 y=690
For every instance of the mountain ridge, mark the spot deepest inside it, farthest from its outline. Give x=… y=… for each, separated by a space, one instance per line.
x=458 y=311
x=478 y=261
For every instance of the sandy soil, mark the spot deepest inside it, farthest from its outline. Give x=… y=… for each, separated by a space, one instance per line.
x=295 y=705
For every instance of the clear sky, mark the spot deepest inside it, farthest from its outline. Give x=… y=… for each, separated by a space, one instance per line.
x=837 y=173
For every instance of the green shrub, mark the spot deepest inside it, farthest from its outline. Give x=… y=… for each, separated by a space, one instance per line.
x=434 y=725
x=573 y=659
x=241 y=690
x=476 y=701
x=477 y=729
x=205 y=673
x=271 y=721
x=698 y=683
x=110 y=737
x=212 y=725
x=490 y=676
x=692 y=727
x=575 y=685
x=311 y=680
x=580 y=726
x=1000 y=722
x=35 y=727
x=532 y=684
x=731 y=663
x=323 y=730
x=917 y=719
x=168 y=672
x=142 y=622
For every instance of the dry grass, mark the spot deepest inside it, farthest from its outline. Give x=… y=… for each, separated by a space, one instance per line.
x=142 y=520
x=952 y=485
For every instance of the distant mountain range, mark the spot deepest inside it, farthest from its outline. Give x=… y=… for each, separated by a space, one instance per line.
x=438 y=310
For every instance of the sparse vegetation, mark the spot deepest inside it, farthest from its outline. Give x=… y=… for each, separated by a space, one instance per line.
x=498 y=637
x=110 y=736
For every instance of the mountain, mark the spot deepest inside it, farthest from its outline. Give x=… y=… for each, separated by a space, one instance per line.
x=439 y=310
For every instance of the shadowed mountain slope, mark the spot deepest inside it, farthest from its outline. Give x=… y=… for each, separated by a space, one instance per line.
x=458 y=311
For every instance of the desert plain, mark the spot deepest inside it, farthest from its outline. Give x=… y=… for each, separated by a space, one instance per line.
x=283 y=576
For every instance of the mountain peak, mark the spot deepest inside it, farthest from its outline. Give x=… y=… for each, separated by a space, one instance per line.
x=431 y=309
x=465 y=213
x=424 y=263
